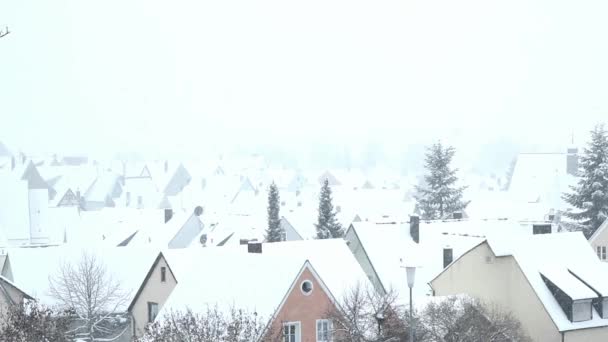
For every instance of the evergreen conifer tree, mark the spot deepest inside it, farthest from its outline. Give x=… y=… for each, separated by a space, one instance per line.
x=590 y=194
x=327 y=226
x=275 y=232
x=439 y=196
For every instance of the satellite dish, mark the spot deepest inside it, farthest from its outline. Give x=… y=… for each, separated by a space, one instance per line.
x=198 y=211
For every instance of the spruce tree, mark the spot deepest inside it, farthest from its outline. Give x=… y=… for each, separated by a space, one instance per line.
x=590 y=194
x=327 y=225
x=275 y=232
x=439 y=196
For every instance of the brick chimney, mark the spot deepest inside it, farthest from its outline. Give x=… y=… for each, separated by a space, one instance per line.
x=168 y=215
x=415 y=228
x=572 y=161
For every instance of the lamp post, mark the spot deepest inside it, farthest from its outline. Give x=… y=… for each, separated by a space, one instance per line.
x=411 y=277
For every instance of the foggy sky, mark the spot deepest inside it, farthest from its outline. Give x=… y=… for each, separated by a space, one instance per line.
x=191 y=75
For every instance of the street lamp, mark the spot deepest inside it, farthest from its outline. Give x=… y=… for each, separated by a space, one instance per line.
x=411 y=277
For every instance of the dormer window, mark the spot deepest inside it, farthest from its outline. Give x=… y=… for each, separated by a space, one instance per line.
x=581 y=310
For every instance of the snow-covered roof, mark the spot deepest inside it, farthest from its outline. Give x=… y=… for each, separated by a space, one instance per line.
x=160 y=234
x=331 y=258
x=32 y=267
x=557 y=257
x=227 y=277
x=390 y=246
x=599 y=231
x=541 y=177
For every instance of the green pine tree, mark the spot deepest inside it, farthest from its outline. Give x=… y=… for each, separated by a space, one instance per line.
x=439 y=197
x=275 y=232
x=327 y=226
x=590 y=194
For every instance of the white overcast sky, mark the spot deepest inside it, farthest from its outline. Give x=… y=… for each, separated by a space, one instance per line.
x=79 y=75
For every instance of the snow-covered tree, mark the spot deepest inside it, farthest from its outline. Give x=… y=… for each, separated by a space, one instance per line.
x=439 y=196
x=210 y=326
x=590 y=195
x=327 y=226
x=33 y=322
x=274 y=232
x=510 y=173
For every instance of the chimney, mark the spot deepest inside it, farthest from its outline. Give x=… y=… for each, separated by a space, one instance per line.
x=541 y=229
x=448 y=256
x=572 y=161
x=457 y=215
x=254 y=247
x=415 y=228
x=168 y=215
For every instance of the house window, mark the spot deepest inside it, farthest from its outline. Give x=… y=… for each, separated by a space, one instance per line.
x=140 y=202
x=323 y=330
x=581 y=310
x=291 y=332
x=163 y=274
x=306 y=287
x=128 y=199
x=599 y=252
x=152 y=311
x=603 y=252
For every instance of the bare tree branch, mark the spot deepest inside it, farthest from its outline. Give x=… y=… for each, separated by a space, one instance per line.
x=89 y=291
x=4 y=32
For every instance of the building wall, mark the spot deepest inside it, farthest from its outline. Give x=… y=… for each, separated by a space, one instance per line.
x=587 y=335
x=14 y=210
x=500 y=283
x=190 y=230
x=290 y=232
x=38 y=211
x=304 y=309
x=15 y=295
x=357 y=249
x=154 y=291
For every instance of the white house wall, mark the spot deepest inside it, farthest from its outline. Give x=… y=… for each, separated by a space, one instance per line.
x=14 y=212
x=190 y=230
x=38 y=212
x=357 y=249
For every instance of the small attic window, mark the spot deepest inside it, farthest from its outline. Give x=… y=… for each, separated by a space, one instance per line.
x=306 y=287
x=605 y=307
x=581 y=310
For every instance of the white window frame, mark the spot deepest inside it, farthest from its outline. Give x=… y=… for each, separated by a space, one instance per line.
x=312 y=287
x=329 y=330
x=298 y=336
x=152 y=316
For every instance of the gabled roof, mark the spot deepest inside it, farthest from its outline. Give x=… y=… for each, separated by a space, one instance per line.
x=32 y=267
x=228 y=278
x=599 y=231
x=389 y=246
x=148 y=275
x=4 y=282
